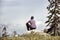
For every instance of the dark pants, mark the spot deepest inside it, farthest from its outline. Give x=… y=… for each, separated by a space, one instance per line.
x=32 y=28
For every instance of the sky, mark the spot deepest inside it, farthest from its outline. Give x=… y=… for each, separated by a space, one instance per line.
x=15 y=13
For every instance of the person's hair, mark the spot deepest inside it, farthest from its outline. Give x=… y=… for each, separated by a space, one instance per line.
x=32 y=17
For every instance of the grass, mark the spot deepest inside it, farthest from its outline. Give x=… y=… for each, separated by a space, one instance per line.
x=32 y=36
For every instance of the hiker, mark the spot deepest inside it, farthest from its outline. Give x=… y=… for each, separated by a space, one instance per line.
x=31 y=24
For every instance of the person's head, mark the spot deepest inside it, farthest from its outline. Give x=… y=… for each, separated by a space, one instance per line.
x=32 y=17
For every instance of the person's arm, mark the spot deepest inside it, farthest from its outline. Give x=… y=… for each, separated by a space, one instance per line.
x=29 y=21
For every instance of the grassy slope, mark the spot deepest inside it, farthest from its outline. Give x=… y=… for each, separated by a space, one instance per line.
x=32 y=36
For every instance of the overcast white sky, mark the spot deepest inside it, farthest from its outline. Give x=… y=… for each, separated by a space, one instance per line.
x=15 y=13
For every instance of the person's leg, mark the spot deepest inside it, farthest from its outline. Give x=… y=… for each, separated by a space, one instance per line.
x=27 y=25
x=32 y=28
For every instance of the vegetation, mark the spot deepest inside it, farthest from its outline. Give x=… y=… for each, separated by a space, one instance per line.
x=32 y=36
x=53 y=18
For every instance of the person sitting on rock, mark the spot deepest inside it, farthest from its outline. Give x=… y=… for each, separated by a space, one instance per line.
x=31 y=24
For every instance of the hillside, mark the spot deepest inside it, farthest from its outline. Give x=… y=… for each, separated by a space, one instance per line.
x=32 y=36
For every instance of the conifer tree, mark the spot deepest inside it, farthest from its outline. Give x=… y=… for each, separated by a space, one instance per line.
x=53 y=17
x=4 y=31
